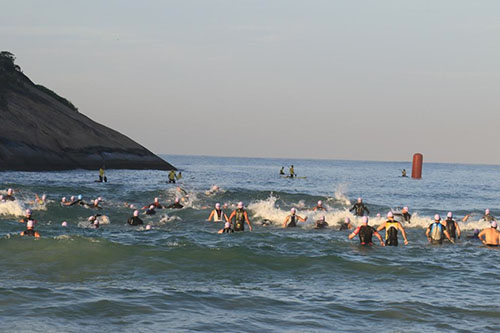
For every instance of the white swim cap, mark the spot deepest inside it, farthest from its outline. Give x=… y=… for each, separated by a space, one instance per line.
x=227 y=225
x=96 y=201
x=28 y=212
x=9 y=191
x=156 y=199
x=176 y=200
x=44 y=197
x=240 y=204
x=494 y=224
x=390 y=214
x=378 y=215
x=347 y=220
x=365 y=220
x=29 y=224
x=100 y=199
x=91 y=218
x=152 y=207
x=136 y=213
x=405 y=208
x=437 y=217
x=96 y=222
x=359 y=199
x=63 y=199
x=148 y=227
x=64 y=224
x=293 y=210
x=487 y=211
x=217 y=206
x=320 y=203
x=72 y=198
x=450 y=214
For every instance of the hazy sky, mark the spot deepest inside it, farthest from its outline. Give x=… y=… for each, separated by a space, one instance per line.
x=364 y=80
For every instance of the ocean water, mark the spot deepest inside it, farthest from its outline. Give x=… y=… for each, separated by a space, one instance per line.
x=182 y=276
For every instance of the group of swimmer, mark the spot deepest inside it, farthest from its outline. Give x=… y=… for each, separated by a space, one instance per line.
x=437 y=232
x=291 y=172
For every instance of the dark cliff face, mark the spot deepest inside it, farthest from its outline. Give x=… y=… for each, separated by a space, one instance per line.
x=40 y=130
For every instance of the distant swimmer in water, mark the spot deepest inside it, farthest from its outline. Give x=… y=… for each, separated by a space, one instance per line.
x=135 y=219
x=365 y=233
x=292 y=172
x=171 y=177
x=95 y=204
x=488 y=217
x=406 y=214
x=102 y=177
x=282 y=171
x=391 y=230
x=436 y=231
x=218 y=214
x=228 y=228
x=40 y=200
x=346 y=225
x=490 y=236
x=359 y=208
x=78 y=201
x=240 y=216
x=292 y=219
x=94 y=221
x=321 y=223
x=474 y=235
x=179 y=175
x=403 y=173
x=175 y=205
x=151 y=210
x=28 y=217
x=30 y=231
x=214 y=189
x=452 y=226
x=319 y=206
x=9 y=196
x=155 y=203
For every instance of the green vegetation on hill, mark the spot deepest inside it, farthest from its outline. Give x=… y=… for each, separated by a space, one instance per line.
x=11 y=77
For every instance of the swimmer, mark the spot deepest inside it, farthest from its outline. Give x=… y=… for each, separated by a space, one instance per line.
x=30 y=231
x=175 y=205
x=488 y=217
x=155 y=203
x=452 y=226
x=475 y=235
x=406 y=214
x=282 y=170
x=365 y=233
x=359 y=208
x=95 y=204
x=436 y=230
x=319 y=206
x=102 y=177
x=346 y=225
x=292 y=172
x=135 y=219
x=9 y=196
x=321 y=223
x=27 y=217
x=391 y=230
x=148 y=227
x=403 y=173
x=171 y=177
x=227 y=229
x=217 y=214
x=214 y=189
x=94 y=221
x=78 y=201
x=179 y=175
x=241 y=216
x=490 y=236
x=292 y=219
x=64 y=224
x=151 y=210
x=40 y=200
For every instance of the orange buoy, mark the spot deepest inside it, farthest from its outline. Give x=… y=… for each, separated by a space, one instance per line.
x=416 y=169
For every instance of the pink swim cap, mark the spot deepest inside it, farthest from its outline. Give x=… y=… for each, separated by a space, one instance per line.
x=136 y=213
x=390 y=214
x=29 y=224
x=320 y=203
x=450 y=215
x=494 y=224
x=176 y=200
x=359 y=199
x=64 y=224
x=28 y=212
x=365 y=219
x=405 y=208
x=148 y=227
x=240 y=204
x=437 y=217
x=217 y=206
x=156 y=199
x=487 y=211
x=347 y=220
x=293 y=210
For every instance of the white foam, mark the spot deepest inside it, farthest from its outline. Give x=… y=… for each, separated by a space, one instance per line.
x=14 y=208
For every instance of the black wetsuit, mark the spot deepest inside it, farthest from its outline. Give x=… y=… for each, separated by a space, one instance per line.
x=29 y=232
x=9 y=197
x=489 y=218
x=239 y=223
x=321 y=224
x=344 y=226
x=227 y=230
x=150 y=212
x=135 y=220
x=451 y=228
x=292 y=222
x=391 y=233
x=406 y=217
x=282 y=171
x=175 y=205
x=359 y=209
x=157 y=205
x=365 y=233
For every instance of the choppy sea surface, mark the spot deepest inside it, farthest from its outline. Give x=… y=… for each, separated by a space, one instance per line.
x=182 y=276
